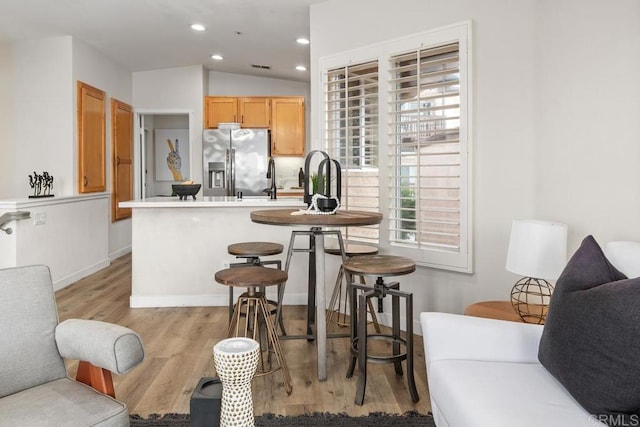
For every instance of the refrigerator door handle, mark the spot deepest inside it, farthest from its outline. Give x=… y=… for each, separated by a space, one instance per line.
x=232 y=186
x=227 y=171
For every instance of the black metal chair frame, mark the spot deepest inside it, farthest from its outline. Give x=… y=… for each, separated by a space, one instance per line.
x=359 y=335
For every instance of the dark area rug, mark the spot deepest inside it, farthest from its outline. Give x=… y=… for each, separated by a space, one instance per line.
x=318 y=419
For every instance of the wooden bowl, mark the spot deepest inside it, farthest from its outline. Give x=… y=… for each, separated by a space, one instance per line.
x=185 y=190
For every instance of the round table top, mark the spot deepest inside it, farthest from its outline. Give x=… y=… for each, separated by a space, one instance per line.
x=250 y=276
x=340 y=218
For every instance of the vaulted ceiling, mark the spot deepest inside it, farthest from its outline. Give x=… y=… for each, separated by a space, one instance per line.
x=153 y=34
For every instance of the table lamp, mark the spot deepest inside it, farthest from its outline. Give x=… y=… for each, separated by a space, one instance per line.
x=538 y=251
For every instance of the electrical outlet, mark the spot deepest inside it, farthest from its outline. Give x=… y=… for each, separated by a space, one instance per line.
x=39 y=218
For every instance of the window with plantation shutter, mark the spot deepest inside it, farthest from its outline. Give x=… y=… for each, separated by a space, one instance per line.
x=397 y=117
x=425 y=149
x=351 y=125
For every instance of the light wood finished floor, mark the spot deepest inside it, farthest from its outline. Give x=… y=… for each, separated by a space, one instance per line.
x=179 y=342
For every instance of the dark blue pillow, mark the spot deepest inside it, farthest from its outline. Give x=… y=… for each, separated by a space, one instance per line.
x=591 y=337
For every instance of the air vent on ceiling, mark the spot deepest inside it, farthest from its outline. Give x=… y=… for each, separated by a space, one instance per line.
x=263 y=67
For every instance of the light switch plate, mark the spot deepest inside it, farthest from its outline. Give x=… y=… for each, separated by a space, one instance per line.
x=40 y=218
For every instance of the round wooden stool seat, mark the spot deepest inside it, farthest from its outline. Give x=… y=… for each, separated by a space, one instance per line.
x=255 y=249
x=353 y=249
x=379 y=265
x=248 y=277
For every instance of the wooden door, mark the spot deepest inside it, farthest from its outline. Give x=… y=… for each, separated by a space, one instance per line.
x=254 y=112
x=287 y=126
x=220 y=109
x=91 y=139
x=122 y=158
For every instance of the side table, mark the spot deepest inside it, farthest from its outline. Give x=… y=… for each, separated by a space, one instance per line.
x=501 y=310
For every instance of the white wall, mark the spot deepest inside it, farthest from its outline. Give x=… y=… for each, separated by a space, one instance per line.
x=588 y=117
x=178 y=90
x=39 y=81
x=503 y=127
x=42 y=101
x=7 y=147
x=72 y=239
x=93 y=68
x=227 y=84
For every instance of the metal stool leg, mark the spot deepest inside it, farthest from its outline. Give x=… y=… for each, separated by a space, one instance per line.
x=339 y=313
x=410 y=379
x=395 y=322
x=353 y=328
x=275 y=343
x=362 y=346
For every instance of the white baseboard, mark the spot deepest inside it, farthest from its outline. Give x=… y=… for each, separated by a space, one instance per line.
x=120 y=252
x=74 y=277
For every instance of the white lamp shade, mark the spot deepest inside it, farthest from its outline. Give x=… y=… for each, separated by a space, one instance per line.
x=537 y=249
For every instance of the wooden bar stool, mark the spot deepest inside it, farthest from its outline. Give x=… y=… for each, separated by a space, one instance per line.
x=380 y=266
x=251 y=253
x=340 y=295
x=258 y=315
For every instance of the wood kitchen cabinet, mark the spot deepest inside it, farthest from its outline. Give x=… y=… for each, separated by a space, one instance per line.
x=254 y=112
x=220 y=109
x=91 y=139
x=284 y=115
x=287 y=126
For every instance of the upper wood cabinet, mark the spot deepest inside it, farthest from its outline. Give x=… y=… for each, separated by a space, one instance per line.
x=122 y=158
x=220 y=109
x=287 y=126
x=254 y=112
x=91 y=139
x=284 y=115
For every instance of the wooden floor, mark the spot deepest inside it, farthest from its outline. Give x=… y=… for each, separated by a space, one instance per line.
x=179 y=343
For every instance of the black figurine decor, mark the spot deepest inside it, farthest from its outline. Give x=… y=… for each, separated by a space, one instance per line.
x=41 y=184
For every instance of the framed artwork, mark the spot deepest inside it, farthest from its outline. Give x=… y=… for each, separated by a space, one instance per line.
x=172 y=154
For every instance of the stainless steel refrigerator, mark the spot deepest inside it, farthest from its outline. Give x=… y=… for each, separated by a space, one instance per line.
x=235 y=160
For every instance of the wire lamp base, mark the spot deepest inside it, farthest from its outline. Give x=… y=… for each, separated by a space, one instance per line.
x=530 y=299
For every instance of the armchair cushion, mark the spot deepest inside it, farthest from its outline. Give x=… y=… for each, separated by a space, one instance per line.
x=28 y=319
x=62 y=403
x=590 y=338
x=112 y=347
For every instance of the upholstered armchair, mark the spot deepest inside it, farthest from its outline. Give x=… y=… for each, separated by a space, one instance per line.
x=34 y=387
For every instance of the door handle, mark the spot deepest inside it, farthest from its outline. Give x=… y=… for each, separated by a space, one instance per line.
x=117 y=160
x=227 y=171
x=232 y=187
x=85 y=181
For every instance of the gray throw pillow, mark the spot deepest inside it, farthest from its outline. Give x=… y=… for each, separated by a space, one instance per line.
x=591 y=337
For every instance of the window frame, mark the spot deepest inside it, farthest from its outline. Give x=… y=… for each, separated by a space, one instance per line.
x=461 y=261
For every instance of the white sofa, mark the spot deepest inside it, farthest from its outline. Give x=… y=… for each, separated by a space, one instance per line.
x=485 y=372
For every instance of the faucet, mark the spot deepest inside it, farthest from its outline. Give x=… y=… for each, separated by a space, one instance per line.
x=271 y=174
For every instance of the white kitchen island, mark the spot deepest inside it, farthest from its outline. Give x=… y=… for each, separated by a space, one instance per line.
x=178 y=245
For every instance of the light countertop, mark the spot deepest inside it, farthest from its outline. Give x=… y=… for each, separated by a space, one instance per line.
x=214 y=202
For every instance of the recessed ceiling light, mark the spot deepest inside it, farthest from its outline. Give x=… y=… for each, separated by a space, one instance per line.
x=198 y=27
x=216 y=57
x=301 y=68
x=302 y=40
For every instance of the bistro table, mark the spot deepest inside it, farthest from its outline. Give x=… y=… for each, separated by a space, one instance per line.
x=342 y=218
